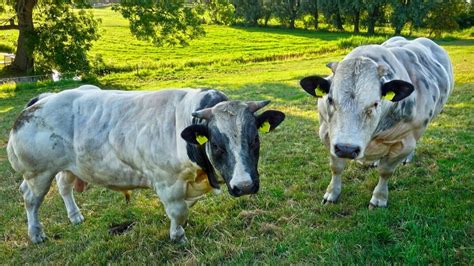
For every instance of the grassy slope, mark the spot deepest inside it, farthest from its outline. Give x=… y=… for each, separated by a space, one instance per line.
x=429 y=219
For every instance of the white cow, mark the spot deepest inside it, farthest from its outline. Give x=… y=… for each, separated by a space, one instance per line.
x=378 y=103
x=180 y=143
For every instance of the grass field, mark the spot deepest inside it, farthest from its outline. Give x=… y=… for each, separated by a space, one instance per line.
x=430 y=214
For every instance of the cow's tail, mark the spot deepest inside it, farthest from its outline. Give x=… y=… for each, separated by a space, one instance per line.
x=37 y=98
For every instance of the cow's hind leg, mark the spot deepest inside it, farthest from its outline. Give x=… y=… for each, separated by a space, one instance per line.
x=334 y=189
x=65 y=181
x=34 y=189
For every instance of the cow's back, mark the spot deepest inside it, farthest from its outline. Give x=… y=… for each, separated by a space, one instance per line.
x=429 y=68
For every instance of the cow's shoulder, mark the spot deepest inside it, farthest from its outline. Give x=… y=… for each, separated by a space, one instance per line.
x=209 y=98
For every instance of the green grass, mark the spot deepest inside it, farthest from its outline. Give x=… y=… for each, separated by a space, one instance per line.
x=430 y=214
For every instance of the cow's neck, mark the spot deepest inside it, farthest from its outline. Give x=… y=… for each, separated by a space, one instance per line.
x=198 y=155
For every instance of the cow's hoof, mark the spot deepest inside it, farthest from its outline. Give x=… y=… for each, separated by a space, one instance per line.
x=76 y=218
x=330 y=197
x=376 y=203
x=36 y=235
x=327 y=202
x=180 y=240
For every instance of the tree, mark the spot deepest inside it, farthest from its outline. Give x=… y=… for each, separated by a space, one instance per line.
x=41 y=24
x=442 y=16
x=249 y=10
x=60 y=49
x=311 y=7
x=404 y=11
x=220 y=12
x=164 y=22
x=331 y=11
x=353 y=9
x=288 y=11
x=375 y=12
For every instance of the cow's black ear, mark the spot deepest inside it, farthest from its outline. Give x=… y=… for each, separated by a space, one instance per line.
x=315 y=85
x=195 y=134
x=269 y=120
x=396 y=90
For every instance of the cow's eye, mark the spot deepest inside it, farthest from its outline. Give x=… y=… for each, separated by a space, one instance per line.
x=217 y=149
x=376 y=104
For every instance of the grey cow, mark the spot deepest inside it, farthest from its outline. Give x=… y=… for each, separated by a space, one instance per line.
x=377 y=104
x=180 y=143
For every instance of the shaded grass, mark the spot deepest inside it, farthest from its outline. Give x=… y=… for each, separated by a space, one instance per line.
x=429 y=218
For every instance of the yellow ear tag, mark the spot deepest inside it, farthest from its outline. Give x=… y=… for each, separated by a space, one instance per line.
x=265 y=127
x=319 y=92
x=389 y=96
x=201 y=139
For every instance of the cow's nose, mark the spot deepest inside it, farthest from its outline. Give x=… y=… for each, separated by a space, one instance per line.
x=245 y=188
x=346 y=151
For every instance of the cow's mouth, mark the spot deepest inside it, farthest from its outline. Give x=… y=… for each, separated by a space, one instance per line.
x=237 y=192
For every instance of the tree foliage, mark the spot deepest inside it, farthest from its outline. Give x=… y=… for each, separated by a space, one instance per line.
x=63 y=37
x=164 y=22
x=310 y=7
x=288 y=11
x=220 y=12
x=442 y=16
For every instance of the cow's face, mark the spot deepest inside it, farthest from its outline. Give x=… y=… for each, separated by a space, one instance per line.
x=231 y=141
x=354 y=99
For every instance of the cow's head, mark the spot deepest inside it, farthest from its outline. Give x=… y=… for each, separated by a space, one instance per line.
x=231 y=141
x=354 y=98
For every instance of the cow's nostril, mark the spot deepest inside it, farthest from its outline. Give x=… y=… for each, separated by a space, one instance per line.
x=346 y=151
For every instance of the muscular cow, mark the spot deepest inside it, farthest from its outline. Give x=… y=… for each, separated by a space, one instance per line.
x=377 y=104
x=180 y=143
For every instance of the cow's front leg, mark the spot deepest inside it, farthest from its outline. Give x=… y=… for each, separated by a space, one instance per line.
x=334 y=189
x=178 y=213
x=174 y=201
x=386 y=168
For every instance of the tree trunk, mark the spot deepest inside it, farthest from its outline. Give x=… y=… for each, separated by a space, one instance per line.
x=371 y=26
x=292 y=23
x=398 y=30
x=24 y=52
x=316 y=17
x=356 y=22
x=373 y=14
x=339 y=21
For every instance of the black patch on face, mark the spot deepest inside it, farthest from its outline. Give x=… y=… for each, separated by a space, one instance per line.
x=221 y=153
x=250 y=147
x=425 y=123
x=431 y=113
x=197 y=153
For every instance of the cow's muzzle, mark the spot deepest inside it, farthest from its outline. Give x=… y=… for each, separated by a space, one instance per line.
x=347 y=151
x=245 y=188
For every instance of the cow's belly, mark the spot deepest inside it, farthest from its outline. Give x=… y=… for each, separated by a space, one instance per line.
x=113 y=174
